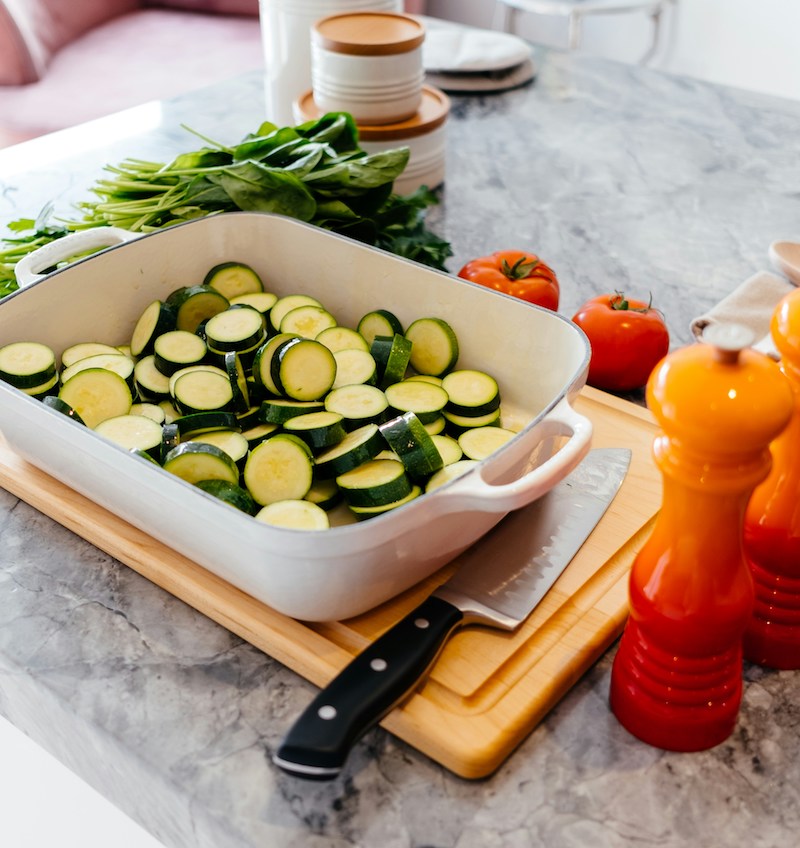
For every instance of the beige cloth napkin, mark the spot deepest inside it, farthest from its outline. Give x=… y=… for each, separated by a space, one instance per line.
x=750 y=304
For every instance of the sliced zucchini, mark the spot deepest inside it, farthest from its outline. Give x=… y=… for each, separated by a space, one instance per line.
x=307 y=321
x=375 y=483
x=479 y=442
x=392 y=356
x=188 y=369
x=426 y=378
x=286 y=304
x=262 y=301
x=358 y=405
x=342 y=338
x=280 y=468
x=202 y=391
x=319 y=430
x=158 y=318
x=448 y=447
x=354 y=367
x=262 y=363
x=235 y=329
x=408 y=438
x=424 y=399
x=357 y=447
x=195 y=461
x=46 y=389
x=132 y=432
x=435 y=346
x=238 y=380
x=437 y=426
x=294 y=514
x=229 y=493
x=116 y=362
x=379 y=322
x=325 y=494
x=450 y=472
x=250 y=418
x=170 y=438
x=471 y=392
x=280 y=410
x=459 y=423
x=233 y=279
x=195 y=424
x=149 y=410
x=97 y=394
x=144 y=455
x=303 y=369
x=364 y=512
x=195 y=304
x=70 y=355
x=258 y=433
x=231 y=441
x=247 y=355
x=56 y=403
x=178 y=349
x=151 y=384
x=26 y=365
x=170 y=413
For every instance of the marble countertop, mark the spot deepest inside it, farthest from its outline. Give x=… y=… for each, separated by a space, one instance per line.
x=621 y=178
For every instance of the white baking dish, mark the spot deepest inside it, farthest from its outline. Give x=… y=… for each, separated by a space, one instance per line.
x=539 y=358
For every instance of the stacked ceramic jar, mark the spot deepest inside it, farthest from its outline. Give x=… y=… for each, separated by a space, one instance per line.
x=369 y=64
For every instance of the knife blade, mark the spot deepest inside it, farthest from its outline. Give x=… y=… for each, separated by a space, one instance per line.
x=498 y=582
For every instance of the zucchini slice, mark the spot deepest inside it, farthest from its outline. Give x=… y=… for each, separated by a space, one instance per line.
x=233 y=279
x=178 y=349
x=458 y=423
x=408 y=438
x=26 y=365
x=231 y=441
x=471 y=392
x=133 y=432
x=424 y=399
x=379 y=322
x=170 y=438
x=325 y=494
x=342 y=338
x=150 y=383
x=97 y=394
x=259 y=433
x=356 y=447
x=229 y=493
x=195 y=461
x=157 y=319
x=392 y=356
x=354 y=367
x=56 y=403
x=149 y=410
x=195 y=304
x=358 y=404
x=70 y=355
x=238 y=380
x=197 y=423
x=170 y=413
x=202 y=391
x=437 y=426
x=375 y=483
x=450 y=472
x=307 y=321
x=280 y=410
x=262 y=363
x=250 y=418
x=286 y=304
x=46 y=389
x=294 y=514
x=479 y=442
x=364 y=512
x=262 y=301
x=278 y=469
x=235 y=329
x=435 y=346
x=303 y=369
x=116 y=362
x=188 y=369
x=448 y=447
x=319 y=430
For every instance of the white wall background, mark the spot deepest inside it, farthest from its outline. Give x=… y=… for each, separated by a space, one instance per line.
x=749 y=44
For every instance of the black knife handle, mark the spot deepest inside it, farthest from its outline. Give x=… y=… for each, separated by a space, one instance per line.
x=317 y=745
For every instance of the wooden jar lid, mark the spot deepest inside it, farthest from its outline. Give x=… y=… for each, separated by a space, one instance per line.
x=431 y=114
x=368 y=33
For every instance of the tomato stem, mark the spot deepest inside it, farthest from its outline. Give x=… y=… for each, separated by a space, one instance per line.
x=520 y=269
x=621 y=303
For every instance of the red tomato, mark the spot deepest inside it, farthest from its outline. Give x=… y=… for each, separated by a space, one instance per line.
x=514 y=272
x=628 y=339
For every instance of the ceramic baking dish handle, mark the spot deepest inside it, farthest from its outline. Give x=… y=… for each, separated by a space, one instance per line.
x=30 y=268
x=473 y=492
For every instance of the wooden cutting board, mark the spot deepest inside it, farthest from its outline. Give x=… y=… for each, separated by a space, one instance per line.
x=488 y=689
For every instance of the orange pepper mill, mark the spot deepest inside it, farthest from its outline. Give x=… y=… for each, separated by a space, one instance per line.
x=772 y=521
x=676 y=680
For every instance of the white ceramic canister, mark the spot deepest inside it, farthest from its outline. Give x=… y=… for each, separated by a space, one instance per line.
x=286 y=36
x=368 y=64
x=425 y=135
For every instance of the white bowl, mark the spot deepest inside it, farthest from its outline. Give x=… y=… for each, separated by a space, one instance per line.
x=539 y=358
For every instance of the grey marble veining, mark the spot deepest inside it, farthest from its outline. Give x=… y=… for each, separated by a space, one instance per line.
x=622 y=179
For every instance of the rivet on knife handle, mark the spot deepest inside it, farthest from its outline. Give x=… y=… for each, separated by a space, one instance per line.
x=319 y=742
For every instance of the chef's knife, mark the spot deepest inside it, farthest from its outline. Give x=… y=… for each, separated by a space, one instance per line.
x=498 y=582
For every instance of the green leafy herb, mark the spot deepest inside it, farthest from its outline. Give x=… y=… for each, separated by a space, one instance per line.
x=315 y=172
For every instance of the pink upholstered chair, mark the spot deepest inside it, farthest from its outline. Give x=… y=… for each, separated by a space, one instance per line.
x=63 y=62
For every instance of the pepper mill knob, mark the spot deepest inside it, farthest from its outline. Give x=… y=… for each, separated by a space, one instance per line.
x=772 y=521
x=676 y=680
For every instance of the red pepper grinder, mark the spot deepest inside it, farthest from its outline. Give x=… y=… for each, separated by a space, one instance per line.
x=676 y=681
x=772 y=521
